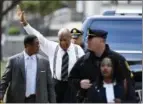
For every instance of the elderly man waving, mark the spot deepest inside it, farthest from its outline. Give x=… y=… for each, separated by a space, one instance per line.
x=62 y=55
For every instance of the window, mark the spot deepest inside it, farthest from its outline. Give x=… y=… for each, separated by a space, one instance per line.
x=122 y=34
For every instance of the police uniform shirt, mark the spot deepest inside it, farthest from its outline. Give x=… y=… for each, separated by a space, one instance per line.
x=49 y=48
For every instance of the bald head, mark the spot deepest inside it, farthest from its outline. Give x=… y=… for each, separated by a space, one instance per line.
x=64 y=38
x=64 y=32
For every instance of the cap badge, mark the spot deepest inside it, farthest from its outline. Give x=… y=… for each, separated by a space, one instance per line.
x=74 y=31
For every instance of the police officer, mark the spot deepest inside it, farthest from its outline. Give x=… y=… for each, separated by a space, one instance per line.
x=77 y=37
x=86 y=69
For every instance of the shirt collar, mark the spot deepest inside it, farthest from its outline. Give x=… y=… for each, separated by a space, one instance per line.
x=26 y=56
x=105 y=53
x=106 y=84
x=70 y=47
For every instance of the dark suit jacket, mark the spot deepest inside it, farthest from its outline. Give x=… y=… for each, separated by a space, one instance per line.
x=98 y=95
x=15 y=80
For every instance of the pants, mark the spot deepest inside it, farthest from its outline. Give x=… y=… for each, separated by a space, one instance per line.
x=30 y=99
x=60 y=89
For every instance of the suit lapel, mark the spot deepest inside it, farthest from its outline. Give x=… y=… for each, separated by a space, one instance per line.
x=21 y=62
x=22 y=65
x=38 y=69
x=118 y=91
x=103 y=94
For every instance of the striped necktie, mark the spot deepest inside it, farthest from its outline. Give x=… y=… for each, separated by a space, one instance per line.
x=65 y=65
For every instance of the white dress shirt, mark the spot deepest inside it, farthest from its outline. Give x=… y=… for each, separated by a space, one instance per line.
x=49 y=47
x=31 y=71
x=109 y=92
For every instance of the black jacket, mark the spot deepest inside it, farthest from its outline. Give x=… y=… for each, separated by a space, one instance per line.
x=88 y=67
x=98 y=94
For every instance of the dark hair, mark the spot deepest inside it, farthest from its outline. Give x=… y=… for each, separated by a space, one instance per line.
x=117 y=72
x=29 y=39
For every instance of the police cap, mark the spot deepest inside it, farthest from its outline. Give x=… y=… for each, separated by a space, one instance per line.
x=97 y=33
x=76 y=33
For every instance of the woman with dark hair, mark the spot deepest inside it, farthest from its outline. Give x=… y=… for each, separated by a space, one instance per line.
x=109 y=87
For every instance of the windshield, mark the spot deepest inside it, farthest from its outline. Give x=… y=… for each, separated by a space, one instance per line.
x=122 y=34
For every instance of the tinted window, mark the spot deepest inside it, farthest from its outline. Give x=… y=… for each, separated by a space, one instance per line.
x=122 y=35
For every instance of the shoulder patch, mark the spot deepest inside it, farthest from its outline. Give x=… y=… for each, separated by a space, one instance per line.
x=127 y=65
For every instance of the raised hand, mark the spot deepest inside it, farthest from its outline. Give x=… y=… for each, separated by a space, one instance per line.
x=21 y=15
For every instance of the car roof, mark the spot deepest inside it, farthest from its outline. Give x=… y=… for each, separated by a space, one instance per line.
x=113 y=17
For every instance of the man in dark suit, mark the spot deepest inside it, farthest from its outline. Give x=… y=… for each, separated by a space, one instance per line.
x=28 y=75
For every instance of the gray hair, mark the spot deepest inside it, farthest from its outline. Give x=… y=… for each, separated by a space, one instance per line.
x=63 y=31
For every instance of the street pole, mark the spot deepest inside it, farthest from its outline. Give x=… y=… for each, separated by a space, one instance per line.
x=1 y=6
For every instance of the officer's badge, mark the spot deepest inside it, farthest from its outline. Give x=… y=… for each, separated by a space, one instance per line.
x=127 y=65
x=89 y=32
x=74 y=31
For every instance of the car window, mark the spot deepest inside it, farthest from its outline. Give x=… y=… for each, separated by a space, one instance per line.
x=126 y=35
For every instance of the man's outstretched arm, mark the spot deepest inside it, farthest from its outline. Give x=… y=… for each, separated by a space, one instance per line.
x=30 y=30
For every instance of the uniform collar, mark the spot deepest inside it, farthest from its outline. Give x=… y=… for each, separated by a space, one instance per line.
x=105 y=53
